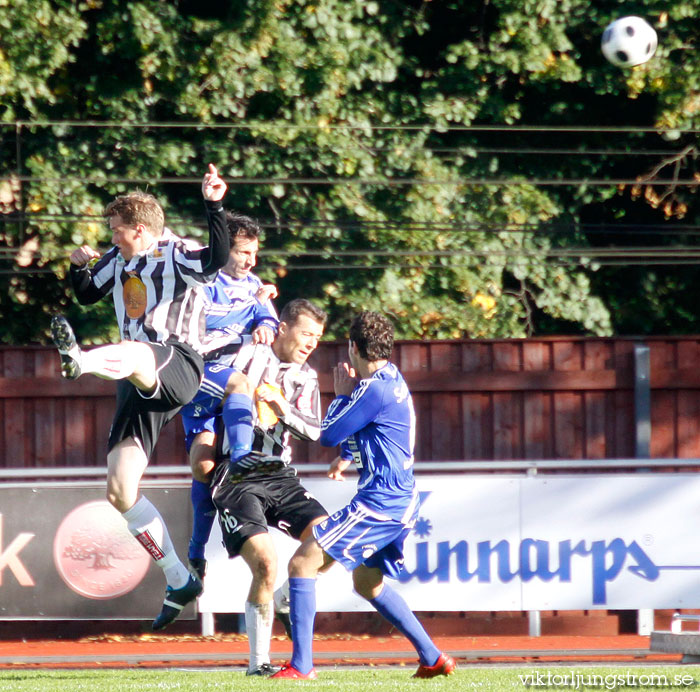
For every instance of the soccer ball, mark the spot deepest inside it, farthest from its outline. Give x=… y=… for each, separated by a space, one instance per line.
x=628 y=41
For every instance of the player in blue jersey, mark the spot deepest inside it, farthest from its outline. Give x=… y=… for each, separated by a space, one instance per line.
x=372 y=418
x=237 y=304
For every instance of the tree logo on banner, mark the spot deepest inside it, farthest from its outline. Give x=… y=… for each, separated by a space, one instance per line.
x=96 y=555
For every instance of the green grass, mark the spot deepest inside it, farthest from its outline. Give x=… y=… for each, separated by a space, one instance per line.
x=468 y=677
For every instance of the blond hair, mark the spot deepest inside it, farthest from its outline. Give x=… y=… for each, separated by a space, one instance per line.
x=138 y=208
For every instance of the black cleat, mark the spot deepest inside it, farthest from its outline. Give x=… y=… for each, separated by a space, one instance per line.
x=64 y=338
x=264 y=670
x=176 y=600
x=284 y=619
x=198 y=565
x=253 y=463
x=281 y=607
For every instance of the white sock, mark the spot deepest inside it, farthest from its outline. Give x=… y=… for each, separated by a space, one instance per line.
x=258 y=625
x=111 y=362
x=147 y=526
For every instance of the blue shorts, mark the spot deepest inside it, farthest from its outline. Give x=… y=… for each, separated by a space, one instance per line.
x=357 y=535
x=200 y=414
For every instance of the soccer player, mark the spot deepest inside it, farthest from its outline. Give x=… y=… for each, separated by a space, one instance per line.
x=154 y=278
x=253 y=485
x=372 y=416
x=238 y=303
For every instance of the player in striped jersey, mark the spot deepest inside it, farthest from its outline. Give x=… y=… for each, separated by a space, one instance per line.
x=372 y=417
x=154 y=279
x=276 y=396
x=237 y=303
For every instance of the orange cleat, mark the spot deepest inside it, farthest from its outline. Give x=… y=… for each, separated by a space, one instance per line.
x=445 y=665
x=293 y=674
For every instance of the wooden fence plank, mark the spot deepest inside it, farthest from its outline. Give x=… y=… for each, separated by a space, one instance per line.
x=596 y=356
x=664 y=414
x=477 y=426
x=492 y=399
x=507 y=411
x=537 y=405
x=14 y=421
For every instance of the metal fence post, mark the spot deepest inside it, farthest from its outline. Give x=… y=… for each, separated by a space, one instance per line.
x=642 y=442
x=642 y=402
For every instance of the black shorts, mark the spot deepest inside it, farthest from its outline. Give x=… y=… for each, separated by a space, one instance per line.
x=247 y=508
x=142 y=416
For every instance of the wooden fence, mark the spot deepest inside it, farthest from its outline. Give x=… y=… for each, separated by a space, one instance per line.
x=549 y=398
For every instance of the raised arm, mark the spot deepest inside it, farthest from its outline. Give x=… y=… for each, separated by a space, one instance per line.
x=265 y=320
x=302 y=415
x=348 y=414
x=86 y=290
x=215 y=255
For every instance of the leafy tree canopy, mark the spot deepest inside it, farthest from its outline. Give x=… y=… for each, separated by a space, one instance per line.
x=433 y=160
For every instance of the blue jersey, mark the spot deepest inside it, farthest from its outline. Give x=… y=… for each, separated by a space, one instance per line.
x=232 y=310
x=376 y=426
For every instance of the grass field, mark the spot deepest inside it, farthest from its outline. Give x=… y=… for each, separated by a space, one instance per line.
x=377 y=680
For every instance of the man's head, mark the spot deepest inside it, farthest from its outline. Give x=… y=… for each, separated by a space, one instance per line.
x=372 y=335
x=244 y=235
x=300 y=329
x=136 y=220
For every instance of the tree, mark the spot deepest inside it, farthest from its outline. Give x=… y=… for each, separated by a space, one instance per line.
x=101 y=546
x=364 y=134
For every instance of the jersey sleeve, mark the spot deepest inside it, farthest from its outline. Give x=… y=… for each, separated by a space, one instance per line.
x=92 y=284
x=265 y=316
x=345 y=451
x=209 y=297
x=201 y=265
x=304 y=417
x=346 y=415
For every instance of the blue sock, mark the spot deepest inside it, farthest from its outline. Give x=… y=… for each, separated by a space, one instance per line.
x=396 y=611
x=204 y=513
x=302 y=613
x=237 y=413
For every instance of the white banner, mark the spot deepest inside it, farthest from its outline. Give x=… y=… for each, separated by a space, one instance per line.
x=487 y=543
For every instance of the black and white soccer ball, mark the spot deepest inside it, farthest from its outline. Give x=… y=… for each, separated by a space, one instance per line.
x=628 y=41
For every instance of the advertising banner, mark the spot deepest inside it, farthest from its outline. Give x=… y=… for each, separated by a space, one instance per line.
x=65 y=553
x=489 y=543
x=486 y=542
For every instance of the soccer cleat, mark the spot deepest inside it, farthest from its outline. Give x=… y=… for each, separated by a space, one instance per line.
x=281 y=606
x=293 y=674
x=255 y=462
x=445 y=665
x=286 y=622
x=176 y=600
x=64 y=338
x=198 y=565
x=264 y=670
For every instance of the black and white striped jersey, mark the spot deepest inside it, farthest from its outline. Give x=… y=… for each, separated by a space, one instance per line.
x=299 y=385
x=157 y=294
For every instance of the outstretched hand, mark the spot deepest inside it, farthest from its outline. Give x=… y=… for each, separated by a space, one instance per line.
x=263 y=335
x=266 y=292
x=213 y=186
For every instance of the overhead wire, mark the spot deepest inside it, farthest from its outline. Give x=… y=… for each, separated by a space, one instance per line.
x=657 y=255
x=369 y=127
x=381 y=182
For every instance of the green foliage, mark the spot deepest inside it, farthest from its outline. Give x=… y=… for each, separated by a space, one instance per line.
x=344 y=124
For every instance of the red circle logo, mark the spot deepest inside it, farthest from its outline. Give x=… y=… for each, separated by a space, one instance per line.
x=96 y=555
